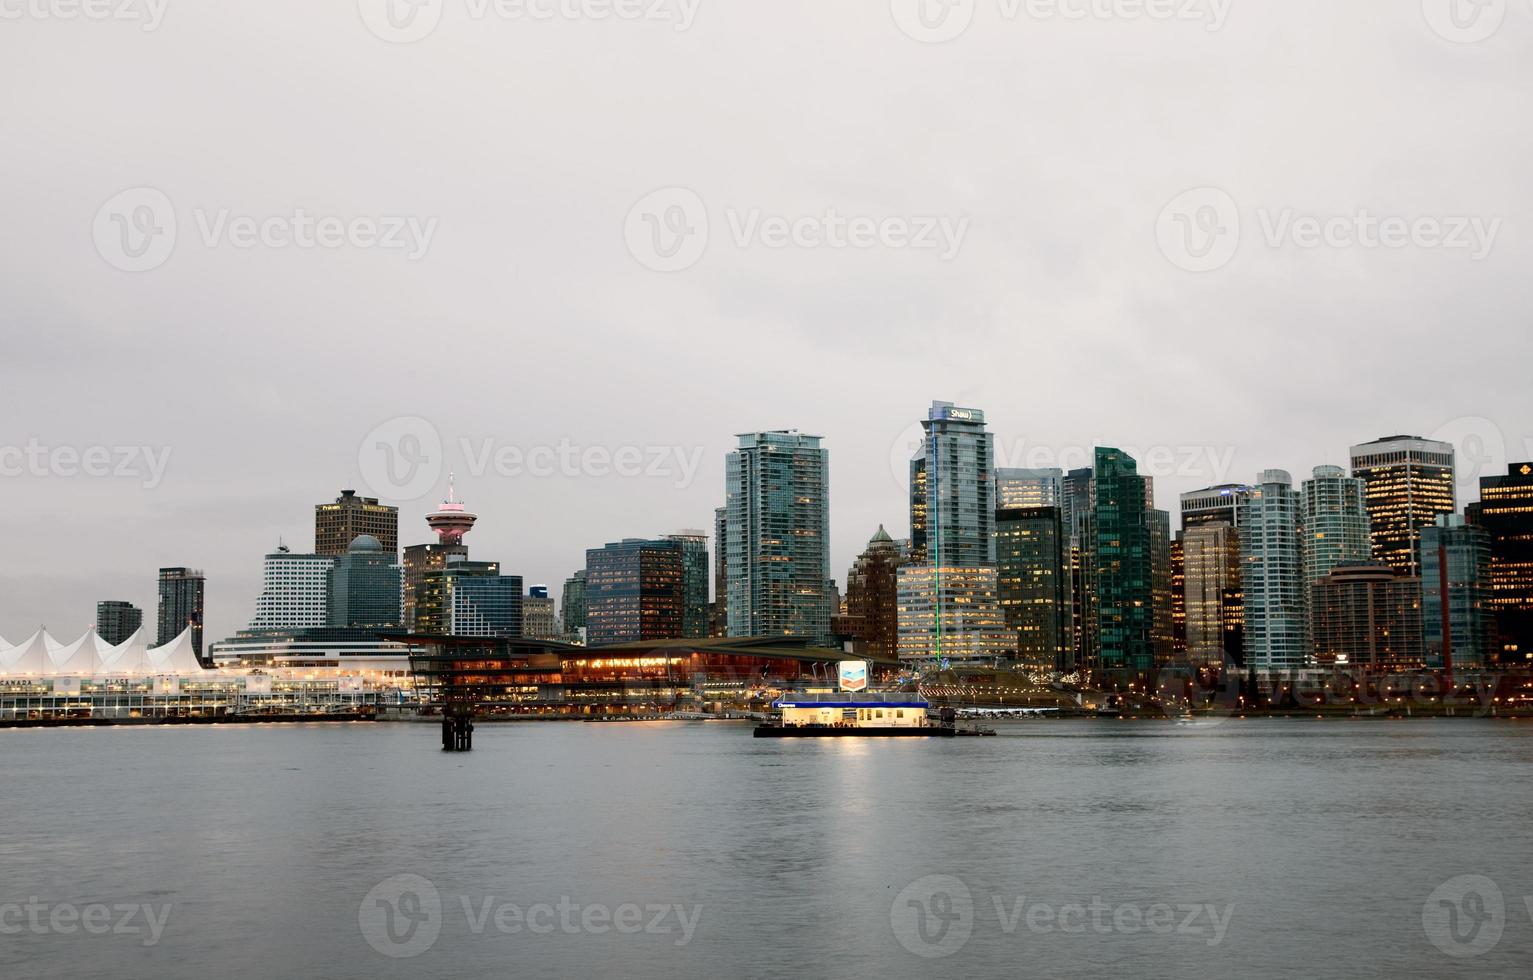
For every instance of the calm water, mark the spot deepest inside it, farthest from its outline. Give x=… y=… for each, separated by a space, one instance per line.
x=1257 y=848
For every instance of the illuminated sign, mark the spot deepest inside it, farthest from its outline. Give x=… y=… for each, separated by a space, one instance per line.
x=854 y=675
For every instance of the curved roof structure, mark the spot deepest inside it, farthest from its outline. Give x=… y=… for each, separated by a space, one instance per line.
x=90 y=656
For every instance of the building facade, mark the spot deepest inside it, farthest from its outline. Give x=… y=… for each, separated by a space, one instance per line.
x=1457 y=612
x=777 y=536
x=1214 y=599
x=1505 y=511
x=872 y=595
x=182 y=594
x=419 y=560
x=117 y=620
x=1367 y=616
x=1029 y=488
x=1409 y=483
x=364 y=586
x=1335 y=523
x=1277 y=635
x=1120 y=566
x=572 y=607
x=539 y=621
x=1213 y=505
x=952 y=489
x=294 y=590
x=951 y=614
x=695 y=573
x=1032 y=584
x=469 y=598
x=337 y=524
x=635 y=591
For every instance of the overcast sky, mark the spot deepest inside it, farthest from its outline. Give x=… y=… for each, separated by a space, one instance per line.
x=852 y=221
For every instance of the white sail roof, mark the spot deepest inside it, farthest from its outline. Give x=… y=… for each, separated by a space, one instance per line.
x=91 y=656
x=77 y=658
x=175 y=657
x=131 y=656
x=27 y=659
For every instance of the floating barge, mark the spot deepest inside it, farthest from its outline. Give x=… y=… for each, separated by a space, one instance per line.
x=895 y=715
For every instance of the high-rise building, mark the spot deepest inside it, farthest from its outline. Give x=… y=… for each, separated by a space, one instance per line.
x=1214 y=599
x=1028 y=488
x=1409 y=483
x=1367 y=616
x=951 y=614
x=1162 y=585
x=952 y=489
x=337 y=525
x=1213 y=505
x=420 y=559
x=1335 y=521
x=1074 y=519
x=1505 y=511
x=294 y=590
x=1457 y=614
x=469 y=598
x=872 y=595
x=694 y=582
x=1120 y=566
x=1032 y=584
x=365 y=586
x=777 y=536
x=538 y=619
x=1179 y=595
x=635 y=590
x=182 y=593
x=1277 y=635
x=117 y=620
x=718 y=618
x=572 y=607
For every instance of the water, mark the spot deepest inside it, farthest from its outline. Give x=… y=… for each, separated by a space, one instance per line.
x=1265 y=848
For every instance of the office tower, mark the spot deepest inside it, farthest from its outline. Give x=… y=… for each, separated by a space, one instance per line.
x=948 y=614
x=182 y=592
x=694 y=582
x=365 y=586
x=635 y=590
x=718 y=617
x=469 y=598
x=1505 y=511
x=1120 y=567
x=1335 y=522
x=1277 y=635
x=420 y=559
x=572 y=607
x=777 y=536
x=1075 y=502
x=337 y=525
x=117 y=620
x=294 y=590
x=1032 y=576
x=1367 y=616
x=872 y=595
x=1028 y=488
x=1409 y=483
x=1457 y=613
x=1162 y=586
x=1178 y=595
x=1214 y=599
x=1213 y=505
x=1075 y=515
x=538 y=619
x=952 y=489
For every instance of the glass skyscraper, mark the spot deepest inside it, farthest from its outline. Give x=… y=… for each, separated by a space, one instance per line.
x=182 y=592
x=1457 y=614
x=1213 y=594
x=1121 y=566
x=469 y=598
x=1028 y=488
x=1505 y=511
x=1335 y=523
x=635 y=590
x=951 y=614
x=1277 y=635
x=364 y=586
x=952 y=490
x=694 y=582
x=1032 y=584
x=117 y=620
x=1409 y=484
x=777 y=547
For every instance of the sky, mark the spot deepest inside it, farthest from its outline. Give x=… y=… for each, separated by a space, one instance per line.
x=568 y=249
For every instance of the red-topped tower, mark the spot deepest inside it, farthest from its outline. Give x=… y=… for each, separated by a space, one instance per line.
x=451 y=521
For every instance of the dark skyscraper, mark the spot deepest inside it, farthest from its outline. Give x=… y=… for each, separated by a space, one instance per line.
x=572 y=607
x=1505 y=511
x=337 y=525
x=182 y=594
x=1032 y=576
x=1457 y=616
x=1409 y=483
x=872 y=595
x=694 y=585
x=117 y=620
x=1121 y=565
x=718 y=621
x=364 y=586
x=635 y=591
x=469 y=598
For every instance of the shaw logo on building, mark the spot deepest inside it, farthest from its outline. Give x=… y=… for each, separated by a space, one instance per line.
x=854 y=675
